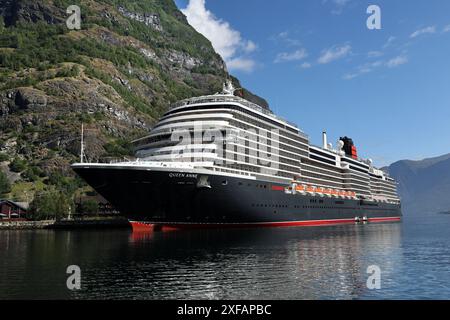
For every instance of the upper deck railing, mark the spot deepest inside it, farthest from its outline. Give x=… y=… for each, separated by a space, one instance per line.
x=220 y=98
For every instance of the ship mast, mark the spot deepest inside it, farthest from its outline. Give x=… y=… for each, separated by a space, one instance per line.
x=82 y=144
x=228 y=88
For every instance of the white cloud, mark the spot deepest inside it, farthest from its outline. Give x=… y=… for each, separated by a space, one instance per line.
x=334 y=53
x=350 y=76
x=370 y=67
x=243 y=64
x=305 y=65
x=341 y=2
x=446 y=28
x=286 y=37
x=225 y=40
x=389 y=42
x=374 y=54
x=365 y=68
x=250 y=46
x=397 y=61
x=429 y=30
x=339 y=5
x=291 y=56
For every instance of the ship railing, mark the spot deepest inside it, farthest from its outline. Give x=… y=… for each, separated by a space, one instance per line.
x=238 y=172
x=219 y=98
x=114 y=160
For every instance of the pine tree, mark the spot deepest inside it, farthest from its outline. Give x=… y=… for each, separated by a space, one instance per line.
x=2 y=25
x=5 y=186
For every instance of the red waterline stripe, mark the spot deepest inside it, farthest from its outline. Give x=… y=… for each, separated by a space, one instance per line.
x=137 y=226
x=302 y=223
x=141 y=227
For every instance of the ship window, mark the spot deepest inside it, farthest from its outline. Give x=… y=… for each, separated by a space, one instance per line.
x=224 y=182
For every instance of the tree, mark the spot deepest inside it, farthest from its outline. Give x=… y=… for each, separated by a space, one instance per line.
x=5 y=186
x=50 y=205
x=32 y=173
x=3 y=157
x=18 y=165
x=2 y=25
x=65 y=184
x=89 y=207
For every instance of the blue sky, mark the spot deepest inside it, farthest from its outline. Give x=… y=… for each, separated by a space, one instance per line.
x=318 y=65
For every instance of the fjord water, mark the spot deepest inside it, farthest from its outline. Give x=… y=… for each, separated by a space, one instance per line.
x=280 y=263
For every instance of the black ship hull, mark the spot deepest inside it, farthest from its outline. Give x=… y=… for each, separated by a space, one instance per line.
x=184 y=199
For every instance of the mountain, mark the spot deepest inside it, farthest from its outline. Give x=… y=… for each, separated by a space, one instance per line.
x=117 y=75
x=424 y=186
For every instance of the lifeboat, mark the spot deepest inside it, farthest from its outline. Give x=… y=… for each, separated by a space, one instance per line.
x=321 y=191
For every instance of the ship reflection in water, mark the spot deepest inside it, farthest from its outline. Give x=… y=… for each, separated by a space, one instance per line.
x=289 y=263
x=279 y=263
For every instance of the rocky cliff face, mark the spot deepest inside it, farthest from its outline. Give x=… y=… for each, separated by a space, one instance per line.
x=117 y=75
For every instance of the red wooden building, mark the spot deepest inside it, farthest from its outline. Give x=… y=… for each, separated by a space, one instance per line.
x=12 y=210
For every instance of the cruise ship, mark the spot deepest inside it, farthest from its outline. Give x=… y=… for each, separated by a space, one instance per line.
x=223 y=161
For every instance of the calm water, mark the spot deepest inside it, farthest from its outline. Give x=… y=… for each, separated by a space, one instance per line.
x=289 y=263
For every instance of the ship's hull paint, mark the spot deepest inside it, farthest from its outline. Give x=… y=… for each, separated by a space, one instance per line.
x=174 y=199
x=146 y=226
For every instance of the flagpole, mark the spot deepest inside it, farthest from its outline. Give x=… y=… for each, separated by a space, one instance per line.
x=82 y=144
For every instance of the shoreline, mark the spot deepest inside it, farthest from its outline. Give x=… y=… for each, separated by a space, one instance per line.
x=117 y=223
